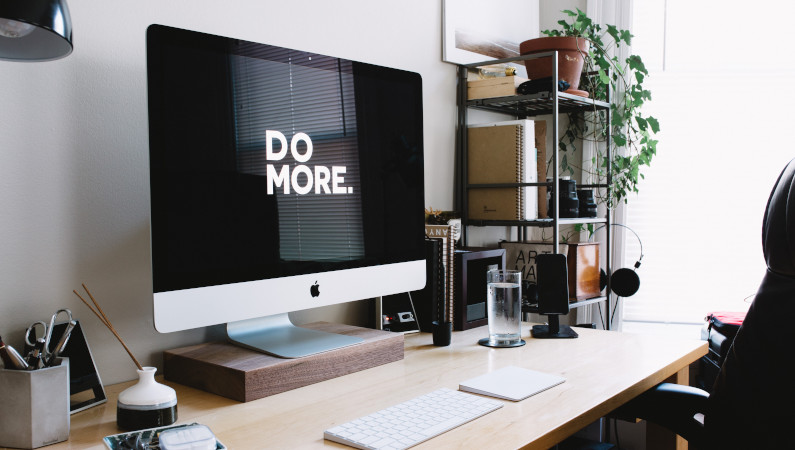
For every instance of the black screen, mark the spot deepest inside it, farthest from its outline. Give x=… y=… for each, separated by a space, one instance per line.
x=553 y=284
x=268 y=162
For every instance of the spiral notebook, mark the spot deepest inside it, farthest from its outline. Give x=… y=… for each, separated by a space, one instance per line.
x=511 y=383
x=502 y=152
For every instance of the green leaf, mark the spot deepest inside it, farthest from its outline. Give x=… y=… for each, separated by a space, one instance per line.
x=654 y=124
x=570 y=13
x=635 y=63
x=617 y=119
x=613 y=32
x=626 y=36
x=585 y=21
x=653 y=146
x=602 y=62
x=603 y=77
x=619 y=140
x=642 y=123
x=637 y=99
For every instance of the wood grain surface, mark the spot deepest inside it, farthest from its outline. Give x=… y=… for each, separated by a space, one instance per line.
x=603 y=369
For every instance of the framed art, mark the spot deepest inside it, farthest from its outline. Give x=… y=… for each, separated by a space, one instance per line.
x=469 y=300
x=474 y=30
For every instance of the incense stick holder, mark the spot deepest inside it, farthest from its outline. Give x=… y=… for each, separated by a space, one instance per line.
x=146 y=404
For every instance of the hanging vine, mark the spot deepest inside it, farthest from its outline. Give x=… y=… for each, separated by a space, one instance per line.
x=605 y=76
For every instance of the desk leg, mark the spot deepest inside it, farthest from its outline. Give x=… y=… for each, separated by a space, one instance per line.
x=657 y=437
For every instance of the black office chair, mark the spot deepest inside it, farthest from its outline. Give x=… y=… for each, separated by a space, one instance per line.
x=754 y=395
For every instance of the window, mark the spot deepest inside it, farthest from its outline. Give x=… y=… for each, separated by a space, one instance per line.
x=721 y=88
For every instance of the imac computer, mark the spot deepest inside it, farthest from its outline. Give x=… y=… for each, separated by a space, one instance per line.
x=281 y=180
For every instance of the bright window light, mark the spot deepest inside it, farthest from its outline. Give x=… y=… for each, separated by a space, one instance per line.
x=721 y=84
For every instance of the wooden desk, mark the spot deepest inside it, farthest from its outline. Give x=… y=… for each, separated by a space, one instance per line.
x=603 y=369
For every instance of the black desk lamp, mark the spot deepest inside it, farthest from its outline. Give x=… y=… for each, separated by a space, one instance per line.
x=34 y=30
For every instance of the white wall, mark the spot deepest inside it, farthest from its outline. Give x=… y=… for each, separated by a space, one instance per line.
x=73 y=152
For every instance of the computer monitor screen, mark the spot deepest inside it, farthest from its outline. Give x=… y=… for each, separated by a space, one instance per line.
x=280 y=180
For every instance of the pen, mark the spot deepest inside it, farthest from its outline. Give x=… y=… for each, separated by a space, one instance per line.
x=12 y=360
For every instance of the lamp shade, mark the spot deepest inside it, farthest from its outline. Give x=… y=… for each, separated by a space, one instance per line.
x=34 y=30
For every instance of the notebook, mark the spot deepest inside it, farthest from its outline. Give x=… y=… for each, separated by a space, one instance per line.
x=502 y=152
x=511 y=383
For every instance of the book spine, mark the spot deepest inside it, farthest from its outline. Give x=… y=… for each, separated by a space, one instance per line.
x=520 y=171
x=530 y=172
x=444 y=232
x=540 y=135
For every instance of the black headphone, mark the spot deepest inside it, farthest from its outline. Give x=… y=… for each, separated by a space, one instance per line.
x=624 y=282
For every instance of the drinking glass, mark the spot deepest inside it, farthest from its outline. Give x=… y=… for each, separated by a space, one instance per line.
x=504 y=308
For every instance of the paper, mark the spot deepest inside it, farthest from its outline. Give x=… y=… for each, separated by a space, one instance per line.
x=511 y=383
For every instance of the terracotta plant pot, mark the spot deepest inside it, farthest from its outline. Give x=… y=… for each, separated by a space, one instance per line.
x=571 y=57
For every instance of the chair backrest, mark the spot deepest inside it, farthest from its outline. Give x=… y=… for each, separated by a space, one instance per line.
x=755 y=383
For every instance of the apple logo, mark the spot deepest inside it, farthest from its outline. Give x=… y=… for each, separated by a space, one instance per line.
x=315 y=290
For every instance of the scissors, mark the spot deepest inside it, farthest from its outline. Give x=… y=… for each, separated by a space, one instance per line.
x=47 y=329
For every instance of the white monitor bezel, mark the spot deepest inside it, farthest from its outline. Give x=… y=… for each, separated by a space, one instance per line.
x=212 y=305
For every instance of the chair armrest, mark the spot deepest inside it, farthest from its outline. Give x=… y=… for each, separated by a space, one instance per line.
x=673 y=406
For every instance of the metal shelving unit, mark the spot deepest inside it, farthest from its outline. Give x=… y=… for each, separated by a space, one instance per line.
x=551 y=103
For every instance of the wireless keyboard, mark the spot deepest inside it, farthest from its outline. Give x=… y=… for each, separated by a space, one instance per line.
x=409 y=423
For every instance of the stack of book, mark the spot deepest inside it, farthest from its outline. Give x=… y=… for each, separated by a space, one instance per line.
x=445 y=234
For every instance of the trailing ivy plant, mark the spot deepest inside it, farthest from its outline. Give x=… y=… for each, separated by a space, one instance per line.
x=604 y=75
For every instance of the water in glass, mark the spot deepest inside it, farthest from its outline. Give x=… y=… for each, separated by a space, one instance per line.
x=504 y=307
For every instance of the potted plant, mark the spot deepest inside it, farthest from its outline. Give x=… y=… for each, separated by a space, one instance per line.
x=572 y=52
x=630 y=130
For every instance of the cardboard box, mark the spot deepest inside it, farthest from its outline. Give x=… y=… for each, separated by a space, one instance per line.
x=493 y=87
x=582 y=259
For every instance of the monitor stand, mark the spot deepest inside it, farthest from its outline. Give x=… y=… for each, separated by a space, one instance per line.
x=277 y=335
x=554 y=330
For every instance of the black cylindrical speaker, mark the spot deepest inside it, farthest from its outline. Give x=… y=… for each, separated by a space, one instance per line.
x=587 y=203
x=567 y=198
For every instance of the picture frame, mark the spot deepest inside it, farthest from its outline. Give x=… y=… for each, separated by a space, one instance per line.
x=582 y=259
x=85 y=386
x=471 y=285
x=474 y=31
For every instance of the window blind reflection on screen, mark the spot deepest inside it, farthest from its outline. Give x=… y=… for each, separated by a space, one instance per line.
x=314 y=96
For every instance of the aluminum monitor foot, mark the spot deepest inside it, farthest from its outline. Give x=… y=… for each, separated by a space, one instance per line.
x=278 y=336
